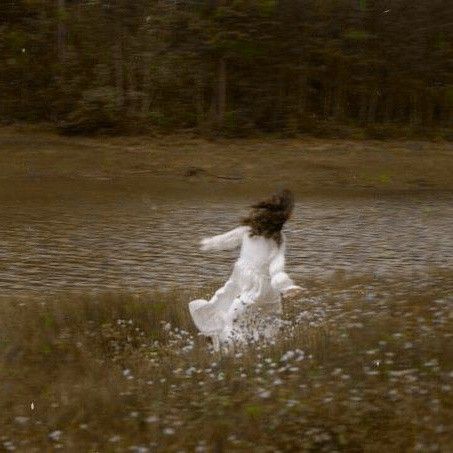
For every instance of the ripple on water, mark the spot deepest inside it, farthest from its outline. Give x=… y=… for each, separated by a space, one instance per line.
x=129 y=246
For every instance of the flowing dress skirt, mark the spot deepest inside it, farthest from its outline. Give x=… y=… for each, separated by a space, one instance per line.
x=245 y=309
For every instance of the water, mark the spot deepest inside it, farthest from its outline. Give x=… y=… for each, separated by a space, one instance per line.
x=137 y=243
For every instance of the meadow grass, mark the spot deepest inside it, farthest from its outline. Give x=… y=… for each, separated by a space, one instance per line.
x=362 y=364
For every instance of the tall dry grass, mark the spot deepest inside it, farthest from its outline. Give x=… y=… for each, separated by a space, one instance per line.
x=361 y=365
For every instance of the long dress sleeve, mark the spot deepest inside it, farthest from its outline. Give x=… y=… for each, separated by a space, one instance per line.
x=227 y=241
x=280 y=280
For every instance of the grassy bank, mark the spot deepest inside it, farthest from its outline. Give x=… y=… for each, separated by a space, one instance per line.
x=362 y=365
x=182 y=164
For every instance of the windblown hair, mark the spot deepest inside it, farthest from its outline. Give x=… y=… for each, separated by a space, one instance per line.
x=268 y=216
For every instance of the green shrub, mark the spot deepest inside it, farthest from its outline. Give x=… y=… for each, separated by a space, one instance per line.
x=97 y=110
x=385 y=131
x=237 y=123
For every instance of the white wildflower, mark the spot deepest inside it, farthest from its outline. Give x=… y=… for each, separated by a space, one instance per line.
x=21 y=420
x=264 y=394
x=55 y=435
x=288 y=355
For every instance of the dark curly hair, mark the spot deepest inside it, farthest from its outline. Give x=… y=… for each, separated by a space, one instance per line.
x=268 y=216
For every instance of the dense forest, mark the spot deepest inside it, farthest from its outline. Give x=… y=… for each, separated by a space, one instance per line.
x=234 y=67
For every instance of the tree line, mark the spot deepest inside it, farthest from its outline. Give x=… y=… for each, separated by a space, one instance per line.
x=228 y=66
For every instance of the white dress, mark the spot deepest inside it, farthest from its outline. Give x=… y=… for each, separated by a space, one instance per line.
x=248 y=306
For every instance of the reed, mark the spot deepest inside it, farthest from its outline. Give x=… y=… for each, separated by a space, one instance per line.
x=363 y=364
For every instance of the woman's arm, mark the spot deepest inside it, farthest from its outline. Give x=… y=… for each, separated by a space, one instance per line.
x=280 y=280
x=227 y=241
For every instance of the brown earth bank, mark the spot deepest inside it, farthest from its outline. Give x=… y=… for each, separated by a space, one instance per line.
x=39 y=160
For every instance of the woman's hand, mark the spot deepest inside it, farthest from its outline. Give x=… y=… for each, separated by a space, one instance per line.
x=292 y=292
x=204 y=245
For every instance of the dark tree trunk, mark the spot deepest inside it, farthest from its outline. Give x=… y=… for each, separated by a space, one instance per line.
x=221 y=91
x=61 y=31
x=119 y=73
x=132 y=93
x=146 y=85
x=372 y=106
x=199 y=99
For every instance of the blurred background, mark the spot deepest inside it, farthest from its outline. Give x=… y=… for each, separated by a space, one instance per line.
x=334 y=68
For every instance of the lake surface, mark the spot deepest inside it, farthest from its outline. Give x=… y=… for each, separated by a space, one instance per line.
x=137 y=243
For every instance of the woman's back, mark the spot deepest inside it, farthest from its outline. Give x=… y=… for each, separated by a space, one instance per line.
x=257 y=252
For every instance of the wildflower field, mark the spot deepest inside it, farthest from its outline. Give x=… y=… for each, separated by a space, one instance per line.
x=362 y=364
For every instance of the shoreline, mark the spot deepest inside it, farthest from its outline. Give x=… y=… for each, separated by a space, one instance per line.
x=178 y=165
